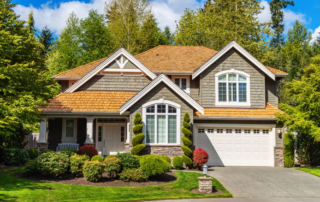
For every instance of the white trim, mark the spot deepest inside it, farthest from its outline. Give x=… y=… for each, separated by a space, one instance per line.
x=64 y=138
x=121 y=63
x=161 y=78
x=237 y=103
x=173 y=77
x=43 y=130
x=178 y=114
x=234 y=125
x=233 y=118
x=106 y=62
x=173 y=73
x=122 y=70
x=245 y=53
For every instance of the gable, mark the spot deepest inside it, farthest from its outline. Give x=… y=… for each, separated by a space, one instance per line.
x=121 y=63
x=244 y=53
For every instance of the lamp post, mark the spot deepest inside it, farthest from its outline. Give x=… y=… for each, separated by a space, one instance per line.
x=205 y=170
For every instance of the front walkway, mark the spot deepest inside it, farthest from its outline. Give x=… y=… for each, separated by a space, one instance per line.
x=267 y=182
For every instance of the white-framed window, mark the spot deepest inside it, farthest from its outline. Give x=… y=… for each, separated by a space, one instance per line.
x=265 y=131
x=183 y=82
x=232 y=88
x=238 y=130
x=228 y=130
x=100 y=134
x=162 y=123
x=210 y=130
x=247 y=131
x=256 y=131
x=69 y=130
x=219 y=130
x=201 y=130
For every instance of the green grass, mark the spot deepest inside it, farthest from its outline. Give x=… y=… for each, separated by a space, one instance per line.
x=313 y=171
x=16 y=189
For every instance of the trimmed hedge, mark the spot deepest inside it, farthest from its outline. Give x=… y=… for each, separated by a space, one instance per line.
x=177 y=162
x=128 y=160
x=33 y=153
x=136 y=150
x=186 y=140
x=134 y=174
x=137 y=140
x=89 y=150
x=93 y=170
x=167 y=159
x=77 y=162
x=154 y=165
x=187 y=161
x=31 y=167
x=288 y=150
x=53 y=163
x=15 y=157
x=97 y=158
x=113 y=166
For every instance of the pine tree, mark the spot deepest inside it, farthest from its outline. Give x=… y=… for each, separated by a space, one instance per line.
x=24 y=81
x=187 y=141
x=46 y=39
x=137 y=140
x=316 y=46
x=167 y=36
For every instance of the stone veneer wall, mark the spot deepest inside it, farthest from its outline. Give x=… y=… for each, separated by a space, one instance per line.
x=170 y=151
x=279 y=157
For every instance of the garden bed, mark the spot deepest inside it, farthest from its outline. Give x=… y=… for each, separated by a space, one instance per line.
x=105 y=181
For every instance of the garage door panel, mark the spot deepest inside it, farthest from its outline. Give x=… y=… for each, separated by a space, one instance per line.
x=251 y=148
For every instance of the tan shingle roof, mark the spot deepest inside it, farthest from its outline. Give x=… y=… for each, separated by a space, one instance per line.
x=162 y=59
x=268 y=112
x=89 y=101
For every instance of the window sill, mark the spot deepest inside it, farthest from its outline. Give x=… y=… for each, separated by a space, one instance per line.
x=164 y=145
x=237 y=105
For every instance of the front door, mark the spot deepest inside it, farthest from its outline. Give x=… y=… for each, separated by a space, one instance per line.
x=113 y=138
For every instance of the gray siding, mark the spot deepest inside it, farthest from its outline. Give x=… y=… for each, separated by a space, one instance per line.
x=194 y=88
x=115 y=83
x=271 y=92
x=160 y=92
x=232 y=60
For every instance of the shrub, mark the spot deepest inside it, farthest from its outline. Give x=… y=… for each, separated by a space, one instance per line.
x=134 y=174
x=93 y=170
x=33 y=153
x=167 y=159
x=97 y=158
x=200 y=157
x=137 y=140
x=89 y=150
x=71 y=152
x=109 y=156
x=15 y=157
x=308 y=150
x=177 y=162
x=136 y=150
x=46 y=151
x=77 y=162
x=288 y=150
x=154 y=165
x=113 y=166
x=186 y=140
x=31 y=167
x=53 y=163
x=187 y=161
x=186 y=150
x=128 y=161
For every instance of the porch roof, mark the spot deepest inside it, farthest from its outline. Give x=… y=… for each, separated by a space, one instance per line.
x=269 y=112
x=102 y=101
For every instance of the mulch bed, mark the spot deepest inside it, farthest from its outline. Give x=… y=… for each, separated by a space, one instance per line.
x=168 y=177
x=214 y=191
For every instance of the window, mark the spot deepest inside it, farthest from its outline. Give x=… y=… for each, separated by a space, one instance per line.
x=99 y=133
x=238 y=130
x=122 y=134
x=233 y=88
x=228 y=130
x=161 y=124
x=69 y=127
x=182 y=82
x=219 y=130
x=265 y=131
x=247 y=131
x=200 y=130
x=256 y=131
x=210 y=130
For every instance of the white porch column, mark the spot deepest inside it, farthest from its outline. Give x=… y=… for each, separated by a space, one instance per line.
x=89 y=139
x=128 y=132
x=43 y=130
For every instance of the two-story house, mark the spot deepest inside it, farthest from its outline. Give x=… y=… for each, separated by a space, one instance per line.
x=230 y=96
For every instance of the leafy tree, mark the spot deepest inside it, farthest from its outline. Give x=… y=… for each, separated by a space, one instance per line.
x=46 y=39
x=167 y=36
x=316 y=46
x=187 y=141
x=31 y=23
x=24 y=80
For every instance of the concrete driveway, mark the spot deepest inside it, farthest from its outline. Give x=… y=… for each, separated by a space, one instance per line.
x=267 y=182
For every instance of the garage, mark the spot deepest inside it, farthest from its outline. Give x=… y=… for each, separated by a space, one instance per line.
x=237 y=146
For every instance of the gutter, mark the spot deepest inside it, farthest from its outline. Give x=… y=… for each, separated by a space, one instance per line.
x=233 y=118
x=86 y=112
x=66 y=78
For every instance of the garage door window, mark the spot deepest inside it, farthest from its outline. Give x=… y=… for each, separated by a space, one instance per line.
x=161 y=124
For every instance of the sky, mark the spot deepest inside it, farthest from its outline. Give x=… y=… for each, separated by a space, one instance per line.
x=54 y=13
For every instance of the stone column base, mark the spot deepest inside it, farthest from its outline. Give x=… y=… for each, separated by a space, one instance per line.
x=278 y=157
x=205 y=184
x=128 y=147
x=41 y=146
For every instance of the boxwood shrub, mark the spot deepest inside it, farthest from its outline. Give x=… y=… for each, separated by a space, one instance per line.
x=33 y=153
x=15 y=157
x=113 y=166
x=31 y=167
x=134 y=174
x=93 y=170
x=128 y=160
x=97 y=158
x=167 y=158
x=154 y=165
x=53 y=163
x=77 y=162
x=177 y=162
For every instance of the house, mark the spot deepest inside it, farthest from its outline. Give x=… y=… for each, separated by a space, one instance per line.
x=230 y=96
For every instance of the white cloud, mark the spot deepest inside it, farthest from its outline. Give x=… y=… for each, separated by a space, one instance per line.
x=315 y=34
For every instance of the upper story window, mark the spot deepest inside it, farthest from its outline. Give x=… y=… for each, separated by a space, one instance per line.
x=232 y=88
x=183 y=82
x=162 y=123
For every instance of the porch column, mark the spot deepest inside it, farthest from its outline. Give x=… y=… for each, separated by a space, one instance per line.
x=128 y=133
x=43 y=130
x=89 y=139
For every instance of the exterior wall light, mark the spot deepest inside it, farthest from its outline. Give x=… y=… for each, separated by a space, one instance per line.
x=205 y=170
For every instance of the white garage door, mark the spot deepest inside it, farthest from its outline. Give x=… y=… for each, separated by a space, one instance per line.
x=237 y=147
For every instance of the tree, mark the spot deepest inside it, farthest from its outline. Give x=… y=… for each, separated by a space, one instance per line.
x=224 y=21
x=24 y=80
x=187 y=141
x=31 y=23
x=137 y=140
x=316 y=45
x=46 y=39
x=167 y=36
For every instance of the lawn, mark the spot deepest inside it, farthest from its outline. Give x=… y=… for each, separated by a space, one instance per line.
x=16 y=189
x=313 y=171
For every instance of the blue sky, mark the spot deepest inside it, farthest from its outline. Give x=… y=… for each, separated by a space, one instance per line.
x=54 y=13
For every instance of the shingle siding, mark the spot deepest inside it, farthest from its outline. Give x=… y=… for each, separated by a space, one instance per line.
x=232 y=60
x=194 y=88
x=115 y=83
x=160 y=92
x=64 y=85
x=271 y=92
